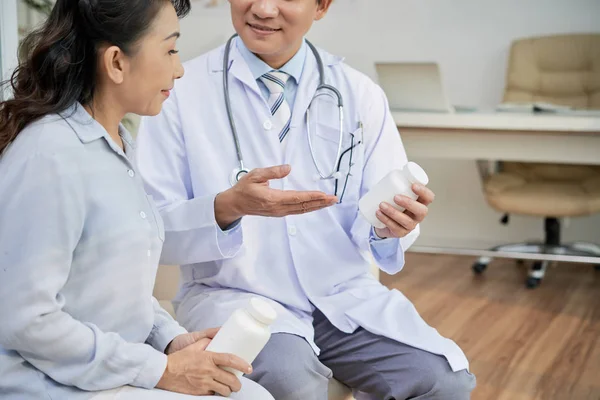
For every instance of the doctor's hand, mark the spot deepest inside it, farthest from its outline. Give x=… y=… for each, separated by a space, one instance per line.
x=195 y=371
x=253 y=196
x=399 y=224
x=182 y=341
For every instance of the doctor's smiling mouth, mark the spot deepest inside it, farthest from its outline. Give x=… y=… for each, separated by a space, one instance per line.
x=262 y=29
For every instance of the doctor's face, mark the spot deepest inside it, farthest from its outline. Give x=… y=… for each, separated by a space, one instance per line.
x=274 y=29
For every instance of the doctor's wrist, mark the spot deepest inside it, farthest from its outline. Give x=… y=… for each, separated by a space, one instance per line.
x=226 y=210
x=380 y=234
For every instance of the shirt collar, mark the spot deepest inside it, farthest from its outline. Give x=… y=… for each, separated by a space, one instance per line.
x=88 y=129
x=258 y=67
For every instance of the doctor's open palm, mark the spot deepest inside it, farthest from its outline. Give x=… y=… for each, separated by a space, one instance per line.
x=253 y=196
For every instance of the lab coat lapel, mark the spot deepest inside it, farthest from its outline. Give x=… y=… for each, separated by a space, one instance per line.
x=241 y=80
x=304 y=95
x=309 y=82
x=306 y=90
x=238 y=69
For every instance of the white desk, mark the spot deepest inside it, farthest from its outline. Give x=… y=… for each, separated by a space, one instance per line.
x=501 y=136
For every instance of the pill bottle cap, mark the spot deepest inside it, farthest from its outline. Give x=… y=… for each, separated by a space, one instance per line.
x=261 y=311
x=415 y=174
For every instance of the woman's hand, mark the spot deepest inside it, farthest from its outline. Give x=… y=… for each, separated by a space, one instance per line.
x=195 y=371
x=182 y=341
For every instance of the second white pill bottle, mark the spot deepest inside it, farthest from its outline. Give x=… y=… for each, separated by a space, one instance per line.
x=245 y=333
x=397 y=182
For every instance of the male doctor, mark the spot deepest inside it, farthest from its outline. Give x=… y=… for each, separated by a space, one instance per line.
x=280 y=232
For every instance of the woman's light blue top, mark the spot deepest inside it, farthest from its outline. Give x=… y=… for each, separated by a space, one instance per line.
x=79 y=248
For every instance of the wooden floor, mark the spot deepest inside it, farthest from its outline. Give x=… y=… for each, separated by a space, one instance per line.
x=522 y=344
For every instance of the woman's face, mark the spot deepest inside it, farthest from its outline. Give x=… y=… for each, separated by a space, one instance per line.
x=150 y=72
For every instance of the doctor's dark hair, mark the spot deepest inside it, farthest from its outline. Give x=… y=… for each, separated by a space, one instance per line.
x=58 y=63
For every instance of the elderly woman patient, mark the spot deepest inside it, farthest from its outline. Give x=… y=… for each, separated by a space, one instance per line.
x=79 y=239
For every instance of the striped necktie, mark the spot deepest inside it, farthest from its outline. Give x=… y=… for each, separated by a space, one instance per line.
x=280 y=109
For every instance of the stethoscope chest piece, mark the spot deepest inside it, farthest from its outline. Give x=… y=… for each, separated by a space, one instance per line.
x=237 y=174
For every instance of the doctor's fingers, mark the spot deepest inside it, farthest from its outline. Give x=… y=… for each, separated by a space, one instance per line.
x=398 y=222
x=304 y=208
x=414 y=209
x=292 y=197
x=260 y=175
x=426 y=195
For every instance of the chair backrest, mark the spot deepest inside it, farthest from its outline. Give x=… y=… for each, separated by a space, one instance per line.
x=552 y=172
x=558 y=69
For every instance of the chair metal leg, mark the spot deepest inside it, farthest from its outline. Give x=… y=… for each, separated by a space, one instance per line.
x=589 y=248
x=574 y=249
x=550 y=246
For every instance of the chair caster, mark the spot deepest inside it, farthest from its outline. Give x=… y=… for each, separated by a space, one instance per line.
x=478 y=268
x=532 y=283
x=536 y=274
x=597 y=267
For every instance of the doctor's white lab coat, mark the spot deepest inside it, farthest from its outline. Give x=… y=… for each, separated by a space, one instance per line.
x=320 y=259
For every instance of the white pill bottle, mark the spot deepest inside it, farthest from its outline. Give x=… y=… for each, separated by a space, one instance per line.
x=245 y=333
x=398 y=181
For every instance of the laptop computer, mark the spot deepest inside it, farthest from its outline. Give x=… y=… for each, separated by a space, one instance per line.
x=413 y=86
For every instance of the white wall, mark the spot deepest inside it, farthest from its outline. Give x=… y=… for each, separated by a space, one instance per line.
x=470 y=39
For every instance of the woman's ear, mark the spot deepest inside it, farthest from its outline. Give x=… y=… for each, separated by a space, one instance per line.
x=113 y=62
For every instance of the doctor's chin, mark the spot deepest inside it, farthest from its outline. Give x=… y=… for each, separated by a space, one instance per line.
x=299 y=200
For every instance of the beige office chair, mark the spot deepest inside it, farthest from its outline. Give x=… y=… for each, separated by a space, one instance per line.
x=564 y=70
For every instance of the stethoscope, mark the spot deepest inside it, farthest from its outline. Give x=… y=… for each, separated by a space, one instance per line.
x=322 y=90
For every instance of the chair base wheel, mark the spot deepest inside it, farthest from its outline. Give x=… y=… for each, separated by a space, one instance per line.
x=478 y=268
x=532 y=283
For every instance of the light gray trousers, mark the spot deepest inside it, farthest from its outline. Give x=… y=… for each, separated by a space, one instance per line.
x=378 y=367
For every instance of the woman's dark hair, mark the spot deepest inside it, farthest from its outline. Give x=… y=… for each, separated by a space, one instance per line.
x=59 y=60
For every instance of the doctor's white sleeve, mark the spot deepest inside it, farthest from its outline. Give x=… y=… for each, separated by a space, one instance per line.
x=384 y=152
x=192 y=234
x=42 y=222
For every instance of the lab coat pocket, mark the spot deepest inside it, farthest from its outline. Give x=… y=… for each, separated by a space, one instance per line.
x=157 y=219
x=349 y=164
